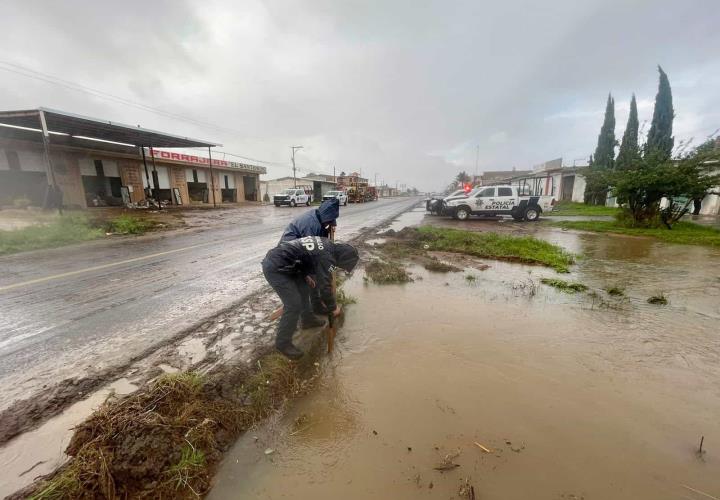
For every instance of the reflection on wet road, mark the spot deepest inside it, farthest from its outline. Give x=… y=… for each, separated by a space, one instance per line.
x=575 y=396
x=81 y=309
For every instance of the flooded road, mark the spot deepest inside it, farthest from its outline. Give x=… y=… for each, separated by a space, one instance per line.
x=81 y=310
x=533 y=393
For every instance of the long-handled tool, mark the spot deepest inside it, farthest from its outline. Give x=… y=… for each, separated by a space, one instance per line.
x=331 y=328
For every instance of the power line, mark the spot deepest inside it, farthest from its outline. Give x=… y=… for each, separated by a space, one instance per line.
x=61 y=82
x=55 y=80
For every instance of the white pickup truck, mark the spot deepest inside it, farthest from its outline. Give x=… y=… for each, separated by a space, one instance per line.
x=498 y=200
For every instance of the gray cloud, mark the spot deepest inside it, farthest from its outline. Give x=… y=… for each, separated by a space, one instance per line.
x=404 y=89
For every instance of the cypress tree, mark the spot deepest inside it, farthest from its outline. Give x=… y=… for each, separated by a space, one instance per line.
x=605 y=151
x=629 y=151
x=596 y=186
x=660 y=140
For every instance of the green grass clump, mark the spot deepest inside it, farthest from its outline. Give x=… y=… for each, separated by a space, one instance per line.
x=65 y=230
x=658 y=299
x=524 y=249
x=436 y=266
x=615 y=291
x=574 y=208
x=128 y=224
x=470 y=278
x=564 y=286
x=386 y=272
x=191 y=464
x=682 y=233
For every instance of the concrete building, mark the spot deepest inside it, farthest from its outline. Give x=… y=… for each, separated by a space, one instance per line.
x=52 y=158
x=551 y=179
x=496 y=176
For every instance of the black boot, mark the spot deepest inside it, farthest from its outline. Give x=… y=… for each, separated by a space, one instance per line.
x=311 y=322
x=291 y=351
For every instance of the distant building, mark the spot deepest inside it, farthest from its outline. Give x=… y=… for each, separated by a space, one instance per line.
x=496 y=176
x=552 y=179
x=318 y=185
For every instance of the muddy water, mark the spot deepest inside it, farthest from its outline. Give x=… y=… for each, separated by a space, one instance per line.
x=575 y=396
x=41 y=451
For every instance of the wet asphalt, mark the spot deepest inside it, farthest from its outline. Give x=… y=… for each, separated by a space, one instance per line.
x=78 y=310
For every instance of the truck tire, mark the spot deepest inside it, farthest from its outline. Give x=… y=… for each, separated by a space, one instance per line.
x=308 y=203
x=277 y=204
x=462 y=213
x=532 y=214
x=345 y=204
x=292 y=203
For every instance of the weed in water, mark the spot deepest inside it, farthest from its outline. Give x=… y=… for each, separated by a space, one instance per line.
x=386 y=272
x=470 y=278
x=564 y=286
x=436 y=266
x=658 y=299
x=615 y=291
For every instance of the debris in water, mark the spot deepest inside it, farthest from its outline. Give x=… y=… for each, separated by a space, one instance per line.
x=658 y=299
x=430 y=486
x=700 y=451
x=269 y=451
x=374 y=432
x=466 y=490
x=410 y=448
x=482 y=447
x=447 y=462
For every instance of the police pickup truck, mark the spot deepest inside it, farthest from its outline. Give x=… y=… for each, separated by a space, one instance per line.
x=292 y=197
x=498 y=200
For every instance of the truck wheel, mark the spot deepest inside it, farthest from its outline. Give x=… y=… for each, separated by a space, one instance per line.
x=345 y=204
x=292 y=203
x=308 y=203
x=532 y=214
x=462 y=213
x=277 y=204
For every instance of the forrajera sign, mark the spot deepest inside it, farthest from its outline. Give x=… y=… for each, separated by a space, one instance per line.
x=201 y=160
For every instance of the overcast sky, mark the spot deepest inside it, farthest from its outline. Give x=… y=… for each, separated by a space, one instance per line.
x=405 y=89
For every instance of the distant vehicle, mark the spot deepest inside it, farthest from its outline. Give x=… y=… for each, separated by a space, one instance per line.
x=498 y=200
x=340 y=195
x=292 y=197
x=434 y=205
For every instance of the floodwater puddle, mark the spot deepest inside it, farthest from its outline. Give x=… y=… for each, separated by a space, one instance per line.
x=42 y=450
x=531 y=393
x=410 y=218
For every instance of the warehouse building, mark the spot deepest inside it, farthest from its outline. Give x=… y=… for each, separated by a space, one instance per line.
x=53 y=158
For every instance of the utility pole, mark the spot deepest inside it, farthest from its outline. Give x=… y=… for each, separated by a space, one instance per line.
x=334 y=176
x=376 y=179
x=477 y=160
x=293 y=162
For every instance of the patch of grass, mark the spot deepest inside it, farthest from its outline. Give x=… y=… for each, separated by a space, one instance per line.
x=525 y=249
x=682 y=233
x=470 y=278
x=564 y=286
x=65 y=230
x=386 y=272
x=163 y=440
x=574 y=208
x=615 y=291
x=658 y=299
x=128 y=224
x=191 y=464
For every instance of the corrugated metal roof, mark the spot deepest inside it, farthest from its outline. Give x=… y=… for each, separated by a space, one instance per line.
x=61 y=122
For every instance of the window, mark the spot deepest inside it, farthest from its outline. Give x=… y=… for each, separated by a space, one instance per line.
x=298 y=192
x=485 y=193
x=505 y=192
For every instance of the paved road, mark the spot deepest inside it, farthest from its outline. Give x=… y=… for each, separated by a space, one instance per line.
x=74 y=310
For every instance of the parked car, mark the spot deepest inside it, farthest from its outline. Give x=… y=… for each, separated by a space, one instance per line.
x=292 y=197
x=340 y=195
x=434 y=205
x=498 y=200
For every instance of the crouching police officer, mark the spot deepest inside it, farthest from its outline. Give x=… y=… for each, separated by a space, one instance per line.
x=293 y=264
